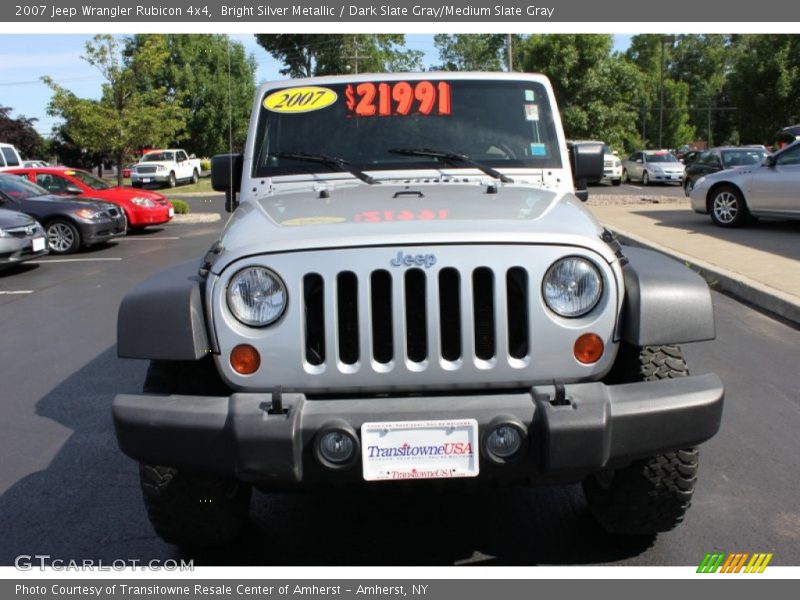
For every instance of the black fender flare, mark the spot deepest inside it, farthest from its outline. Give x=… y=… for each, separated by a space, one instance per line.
x=665 y=301
x=162 y=318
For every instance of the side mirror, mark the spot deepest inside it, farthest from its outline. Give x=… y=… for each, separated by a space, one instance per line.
x=226 y=176
x=770 y=161
x=73 y=189
x=586 y=161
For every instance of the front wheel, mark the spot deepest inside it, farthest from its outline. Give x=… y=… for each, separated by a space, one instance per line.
x=688 y=186
x=189 y=508
x=645 y=178
x=727 y=207
x=195 y=176
x=616 y=181
x=62 y=237
x=653 y=494
x=625 y=177
x=172 y=182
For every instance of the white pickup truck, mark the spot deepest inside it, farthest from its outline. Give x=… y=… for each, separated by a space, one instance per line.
x=165 y=167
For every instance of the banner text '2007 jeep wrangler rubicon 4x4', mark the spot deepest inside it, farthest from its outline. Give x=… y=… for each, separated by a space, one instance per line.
x=409 y=288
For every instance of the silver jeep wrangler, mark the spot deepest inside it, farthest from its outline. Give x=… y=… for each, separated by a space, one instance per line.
x=410 y=288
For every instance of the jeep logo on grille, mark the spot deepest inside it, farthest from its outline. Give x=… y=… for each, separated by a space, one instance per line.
x=410 y=260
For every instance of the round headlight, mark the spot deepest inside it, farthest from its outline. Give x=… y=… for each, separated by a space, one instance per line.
x=256 y=296
x=572 y=286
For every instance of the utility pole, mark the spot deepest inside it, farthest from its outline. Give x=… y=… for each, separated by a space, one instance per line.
x=661 y=92
x=355 y=56
x=508 y=50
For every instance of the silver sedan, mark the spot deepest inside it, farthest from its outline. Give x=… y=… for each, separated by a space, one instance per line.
x=653 y=166
x=770 y=190
x=21 y=238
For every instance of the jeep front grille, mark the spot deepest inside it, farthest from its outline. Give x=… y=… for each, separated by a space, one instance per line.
x=416 y=316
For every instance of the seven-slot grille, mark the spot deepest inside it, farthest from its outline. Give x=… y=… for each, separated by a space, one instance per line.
x=416 y=316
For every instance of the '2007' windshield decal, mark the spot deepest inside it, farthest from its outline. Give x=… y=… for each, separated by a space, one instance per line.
x=398 y=98
x=300 y=99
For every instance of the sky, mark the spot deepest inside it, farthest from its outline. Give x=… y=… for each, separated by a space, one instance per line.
x=25 y=59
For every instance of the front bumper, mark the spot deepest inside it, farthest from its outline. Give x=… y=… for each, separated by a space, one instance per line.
x=97 y=232
x=17 y=250
x=594 y=427
x=159 y=177
x=156 y=215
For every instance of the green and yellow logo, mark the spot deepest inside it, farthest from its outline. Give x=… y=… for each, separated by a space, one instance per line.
x=736 y=562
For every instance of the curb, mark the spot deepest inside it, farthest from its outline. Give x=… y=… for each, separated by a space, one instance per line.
x=775 y=302
x=194 y=218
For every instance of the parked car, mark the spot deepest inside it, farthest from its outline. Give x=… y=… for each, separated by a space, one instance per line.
x=717 y=159
x=9 y=157
x=650 y=166
x=690 y=157
x=394 y=306
x=70 y=223
x=165 y=167
x=770 y=189
x=126 y=170
x=21 y=238
x=141 y=208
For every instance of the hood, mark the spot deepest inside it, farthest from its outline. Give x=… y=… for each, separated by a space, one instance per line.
x=404 y=214
x=72 y=202
x=11 y=218
x=121 y=192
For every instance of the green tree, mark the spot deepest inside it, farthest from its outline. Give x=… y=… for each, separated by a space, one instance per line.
x=704 y=63
x=307 y=55
x=213 y=78
x=21 y=133
x=471 y=52
x=765 y=86
x=670 y=120
x=126 y=117
x=594 y=87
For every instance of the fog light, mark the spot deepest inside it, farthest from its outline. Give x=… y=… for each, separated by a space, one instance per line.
x=504 y=441
x=245 y=359
x=588 y=348
x=336 y=447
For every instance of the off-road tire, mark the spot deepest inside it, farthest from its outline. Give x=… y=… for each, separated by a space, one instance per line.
x=187 y=508
x=650 y=495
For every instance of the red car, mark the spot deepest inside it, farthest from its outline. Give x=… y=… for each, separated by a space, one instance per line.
x=141 y=208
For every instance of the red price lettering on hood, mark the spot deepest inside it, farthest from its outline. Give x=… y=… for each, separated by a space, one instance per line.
x=398 y=99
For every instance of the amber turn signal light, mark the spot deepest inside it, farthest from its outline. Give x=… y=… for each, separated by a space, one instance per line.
x=245 y=359
x=588 y=348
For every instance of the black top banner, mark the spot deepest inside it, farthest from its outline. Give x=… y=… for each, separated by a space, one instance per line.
x=401 y=11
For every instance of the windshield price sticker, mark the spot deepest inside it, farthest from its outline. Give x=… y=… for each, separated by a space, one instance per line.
x=399 y=98
x=300 y=100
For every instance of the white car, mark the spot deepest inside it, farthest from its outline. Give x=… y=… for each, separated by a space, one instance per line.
x=165 y=167
x=771 y=189
x=649 y=166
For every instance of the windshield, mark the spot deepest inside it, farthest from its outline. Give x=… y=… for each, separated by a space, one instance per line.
x=738 y=158
x=19 y=188
x=501 y=124
x=158 y=157
x=89 y=180
x=666 y=157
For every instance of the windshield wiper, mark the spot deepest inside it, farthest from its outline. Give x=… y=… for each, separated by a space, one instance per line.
x=453 y=157
x=331 y=161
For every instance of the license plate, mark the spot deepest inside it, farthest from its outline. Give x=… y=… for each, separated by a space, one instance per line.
x=38 y=244
x=171 y=212
x=419 y=450
x=145 y=180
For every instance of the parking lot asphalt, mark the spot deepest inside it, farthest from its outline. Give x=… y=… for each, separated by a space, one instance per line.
x=68 y=491
x=759 y=264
